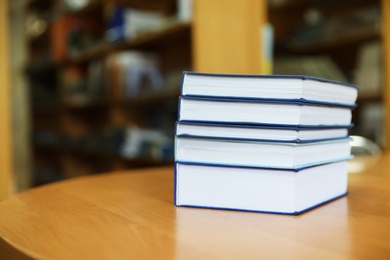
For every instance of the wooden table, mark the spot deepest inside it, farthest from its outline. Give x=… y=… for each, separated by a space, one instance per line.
x=130 y=215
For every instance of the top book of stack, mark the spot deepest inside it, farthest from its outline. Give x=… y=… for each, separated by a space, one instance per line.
x=269 y=87
x=266 y=100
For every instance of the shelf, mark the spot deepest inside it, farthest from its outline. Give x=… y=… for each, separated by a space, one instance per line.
x=345 y=40
x=94 y=52
x=57 y=108
x=40 y=39
x=155 y=37
x=146 y=162
x=93 y=7
x=287 y=5
x=374 y=97
x=38 y=4
x=75 y=151
x=146 y=5
x=140 y=161
x=151 y=98
x=147 y=39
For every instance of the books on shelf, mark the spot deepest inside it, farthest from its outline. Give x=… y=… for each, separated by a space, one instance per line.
x=83 y=85
x=125 y=23
x=279 y=87
x=72 y=35
x=133 y=72
x=184 y=10
x=275 y=144
x=259 y=189
x=146 y=143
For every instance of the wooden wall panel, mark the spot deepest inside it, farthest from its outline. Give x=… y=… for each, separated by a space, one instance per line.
x=5 y=96
x=226 y=35
x=386 y=60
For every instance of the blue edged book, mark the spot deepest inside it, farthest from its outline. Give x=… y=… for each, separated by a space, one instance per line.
x=259 y=189
x=249 y=153
x=266 y=99
x=279 y=133
x=262 y=143
x=279 y=87
x=262 y=111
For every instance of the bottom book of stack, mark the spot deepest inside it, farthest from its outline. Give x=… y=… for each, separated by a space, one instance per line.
x=284 y=191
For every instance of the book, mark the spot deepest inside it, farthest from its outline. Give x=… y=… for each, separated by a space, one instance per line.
x=259 y=189
x=240 y=152
x=259 y=132
x=59 y=31
x=132 y=73
x=280 y=87
x=125 y=23
x=146 y=143
x=184 y=10
x=267 y=39
x=262 y=111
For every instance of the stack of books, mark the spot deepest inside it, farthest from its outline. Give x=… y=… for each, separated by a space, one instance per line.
x=262 y=143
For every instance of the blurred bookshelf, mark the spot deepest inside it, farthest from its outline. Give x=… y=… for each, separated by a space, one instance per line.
x=79 y=58
x=339 y=40
x=104 y=76
x=104 y=79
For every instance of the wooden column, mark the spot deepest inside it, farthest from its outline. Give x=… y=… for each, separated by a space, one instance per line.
x=5 y=118
x=227 y=35
x=386 y=61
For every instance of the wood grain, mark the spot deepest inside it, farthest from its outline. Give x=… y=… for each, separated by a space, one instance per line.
x=130 y=215
x=226 y=35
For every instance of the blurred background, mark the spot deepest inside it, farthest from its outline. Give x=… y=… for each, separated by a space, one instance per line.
x=94 y=83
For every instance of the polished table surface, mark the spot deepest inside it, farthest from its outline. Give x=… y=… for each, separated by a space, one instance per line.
x=130 y=215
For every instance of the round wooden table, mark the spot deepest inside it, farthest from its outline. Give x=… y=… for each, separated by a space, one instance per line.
x=130 y=215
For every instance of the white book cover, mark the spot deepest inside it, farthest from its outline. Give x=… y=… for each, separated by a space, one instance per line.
x=281 y=87
x=294 y=134
x=255 y=111
x=259 y=189
x=239 y=152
